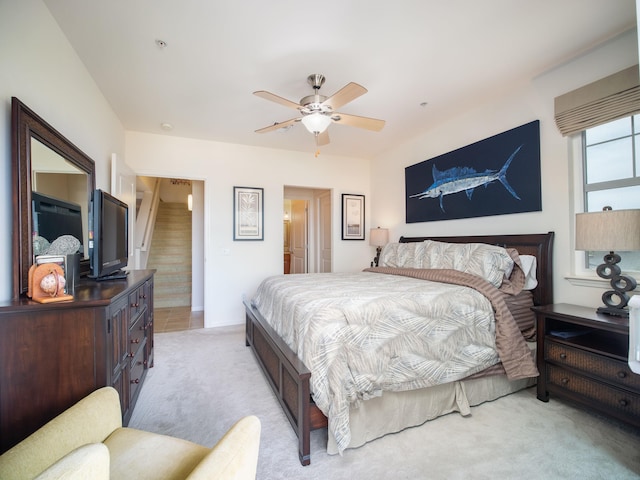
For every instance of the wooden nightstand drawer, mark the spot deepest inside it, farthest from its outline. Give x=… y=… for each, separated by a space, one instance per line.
x=607 y=369
x=582 y=355
x=621 y=401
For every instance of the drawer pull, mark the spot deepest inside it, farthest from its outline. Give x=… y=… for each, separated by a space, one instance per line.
x=143 y=297
x=623 y=403
x=137 y=340
x=563 y=356
x=136 y=381
x=135 y=305
x=565 y=381
x=622 y=374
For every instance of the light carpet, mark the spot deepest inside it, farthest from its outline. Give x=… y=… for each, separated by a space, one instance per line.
x=206 y=379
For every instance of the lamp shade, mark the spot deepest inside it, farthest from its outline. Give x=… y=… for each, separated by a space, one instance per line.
x=378 y=237
x=316 y=122
x=609 y=230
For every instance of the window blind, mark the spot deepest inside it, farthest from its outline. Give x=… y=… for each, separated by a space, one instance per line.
x=602 y=101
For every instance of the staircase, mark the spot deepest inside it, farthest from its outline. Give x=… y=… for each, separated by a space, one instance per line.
x=170 y=256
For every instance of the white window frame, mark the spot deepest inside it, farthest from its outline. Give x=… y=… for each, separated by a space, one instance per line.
x=580 y=275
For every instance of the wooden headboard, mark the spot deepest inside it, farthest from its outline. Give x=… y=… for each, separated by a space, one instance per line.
x=539 y=245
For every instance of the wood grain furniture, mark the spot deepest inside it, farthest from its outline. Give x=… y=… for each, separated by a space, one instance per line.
x=87 y=441
x=289 y=377
x=52 y=355
x=582 y=356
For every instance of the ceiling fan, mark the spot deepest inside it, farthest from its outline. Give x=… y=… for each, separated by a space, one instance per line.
x=318 y=112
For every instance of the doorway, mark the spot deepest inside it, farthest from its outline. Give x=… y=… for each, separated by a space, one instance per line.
x=307 y=230
x=170 y=221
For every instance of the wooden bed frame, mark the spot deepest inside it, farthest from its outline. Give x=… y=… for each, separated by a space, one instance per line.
x=289 y=377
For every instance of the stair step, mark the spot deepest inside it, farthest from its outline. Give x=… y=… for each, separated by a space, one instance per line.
x=169 y=248
x=161 y=252
x=167 y=277
x=163 y=233
x=171 y=262
x=170 y=256
x=171 y=290
x=172 y=301
x=179 y=218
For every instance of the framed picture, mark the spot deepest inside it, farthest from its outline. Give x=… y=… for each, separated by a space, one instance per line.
x=248 y=213
x=352 y=217
x=499 y=175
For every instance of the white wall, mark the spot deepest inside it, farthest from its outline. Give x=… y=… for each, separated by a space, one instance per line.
x=38 y=66
x=525 y=102
x=222 y=166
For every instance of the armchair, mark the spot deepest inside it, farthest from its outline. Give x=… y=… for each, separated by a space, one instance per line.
x=88 y=441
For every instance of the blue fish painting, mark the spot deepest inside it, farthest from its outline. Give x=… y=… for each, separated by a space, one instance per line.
x=465 y=179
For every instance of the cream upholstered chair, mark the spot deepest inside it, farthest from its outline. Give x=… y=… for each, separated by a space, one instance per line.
x=89 y=441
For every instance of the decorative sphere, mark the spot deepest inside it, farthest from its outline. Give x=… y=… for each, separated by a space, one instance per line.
x=50 y=284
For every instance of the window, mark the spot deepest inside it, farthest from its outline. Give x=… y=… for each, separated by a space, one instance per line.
x=611 y=171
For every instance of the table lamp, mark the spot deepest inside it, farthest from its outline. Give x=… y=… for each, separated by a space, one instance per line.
x=378 y=237
x=611 y=230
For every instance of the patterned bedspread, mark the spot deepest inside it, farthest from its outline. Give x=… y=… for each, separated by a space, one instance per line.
x=362 y=333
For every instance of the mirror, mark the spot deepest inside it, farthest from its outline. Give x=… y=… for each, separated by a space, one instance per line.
x=46 y=162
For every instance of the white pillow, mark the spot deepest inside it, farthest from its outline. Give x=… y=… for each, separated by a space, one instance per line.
x=401 y=255
x=487 y=261
x=529 y=266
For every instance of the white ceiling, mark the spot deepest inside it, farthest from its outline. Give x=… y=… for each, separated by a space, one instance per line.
x=446 y=53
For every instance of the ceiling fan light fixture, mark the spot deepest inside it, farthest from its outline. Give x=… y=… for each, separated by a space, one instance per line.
x=317 y=112
x=316 y=122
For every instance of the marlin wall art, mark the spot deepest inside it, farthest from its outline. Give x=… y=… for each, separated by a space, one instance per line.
x=498 y=175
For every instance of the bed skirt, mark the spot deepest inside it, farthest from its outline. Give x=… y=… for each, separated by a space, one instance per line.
x=372 y=420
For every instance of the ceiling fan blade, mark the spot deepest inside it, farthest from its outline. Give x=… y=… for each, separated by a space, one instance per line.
x=277 y=125
x=275 y=98
x=360 y=122
x=322 y=138
x=345 y=95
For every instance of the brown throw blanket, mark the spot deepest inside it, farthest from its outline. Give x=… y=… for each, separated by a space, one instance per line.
x=510 y=344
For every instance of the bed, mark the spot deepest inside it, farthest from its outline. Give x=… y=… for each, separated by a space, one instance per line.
x=291 y=380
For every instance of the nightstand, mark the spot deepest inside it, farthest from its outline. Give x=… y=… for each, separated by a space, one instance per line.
x=582 y=356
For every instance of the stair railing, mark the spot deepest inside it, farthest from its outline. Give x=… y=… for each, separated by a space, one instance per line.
x=145 y=224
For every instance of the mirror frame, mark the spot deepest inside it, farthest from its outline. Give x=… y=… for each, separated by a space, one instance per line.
x=25 y=124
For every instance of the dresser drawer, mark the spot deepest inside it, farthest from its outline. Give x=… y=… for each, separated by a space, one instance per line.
x=137 y=371
x=609 y=370
x=137 y=336
x=623 y=402
x=139 y=299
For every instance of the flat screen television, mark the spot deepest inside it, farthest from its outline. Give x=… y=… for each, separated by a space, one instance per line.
x=108 y=236
x=53 y=218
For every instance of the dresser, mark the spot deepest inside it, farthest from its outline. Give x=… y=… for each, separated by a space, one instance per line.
x=582 y=356
x=52 y=355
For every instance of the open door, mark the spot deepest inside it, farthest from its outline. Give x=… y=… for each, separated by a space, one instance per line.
x=324 y=232
x=299 y=235
x=308 y=220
